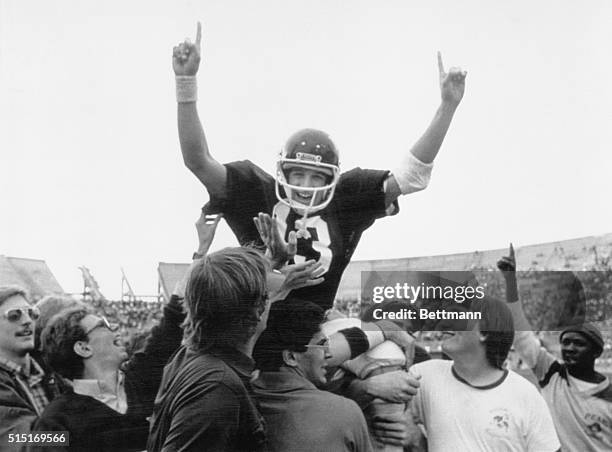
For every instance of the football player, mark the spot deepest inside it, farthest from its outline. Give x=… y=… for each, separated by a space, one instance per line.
x=328 y=210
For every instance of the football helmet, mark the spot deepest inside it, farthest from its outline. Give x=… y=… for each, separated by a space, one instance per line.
x=314 y=150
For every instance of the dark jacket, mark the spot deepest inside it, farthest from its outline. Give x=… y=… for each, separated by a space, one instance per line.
x=206 y=402
x=17 y=414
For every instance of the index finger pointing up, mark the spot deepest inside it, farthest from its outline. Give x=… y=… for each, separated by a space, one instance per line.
x=198 y=34
x=440 y=64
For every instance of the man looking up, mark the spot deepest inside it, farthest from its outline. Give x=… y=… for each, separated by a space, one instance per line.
x=328 y=211
x=472 y=402
x=111 y=399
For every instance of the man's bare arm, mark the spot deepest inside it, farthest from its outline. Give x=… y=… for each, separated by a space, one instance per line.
x=197 y=157
x=404 y=179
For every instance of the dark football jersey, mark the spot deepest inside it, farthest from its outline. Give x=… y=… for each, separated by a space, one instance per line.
x=334 y=231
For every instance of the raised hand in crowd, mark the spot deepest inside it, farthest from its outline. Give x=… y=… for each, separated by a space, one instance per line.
x=452 y=83
x=279 y=251
x=186 y=55
x=206 y=226
x=304 y=274
x=507 y=266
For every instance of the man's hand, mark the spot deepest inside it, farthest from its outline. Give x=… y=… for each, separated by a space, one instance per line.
x=395 y=334
x=395 y=387
x=280 y=251
x=452 y=83
x=206 y=227
x=297 y=276
x=394 y=429
x=507 y=266
x=186 y=56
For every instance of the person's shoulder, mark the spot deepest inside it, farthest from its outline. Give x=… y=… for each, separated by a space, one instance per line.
x=192 y=369
x=605 y=394
x=213 y=371
x=69 y=402
x=341 y=407
x=356 y=176
x=247 y=168
x=203 y=365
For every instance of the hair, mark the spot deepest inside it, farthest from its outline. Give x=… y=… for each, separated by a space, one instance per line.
x=49 y=306
x=497 y=326
x=291 y=325
x=58 y=339
x=7 y=292
x=225 y=296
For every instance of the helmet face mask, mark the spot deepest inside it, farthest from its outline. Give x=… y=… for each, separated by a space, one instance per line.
x=310 y=150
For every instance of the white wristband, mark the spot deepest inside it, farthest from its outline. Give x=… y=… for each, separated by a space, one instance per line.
x=186 y=88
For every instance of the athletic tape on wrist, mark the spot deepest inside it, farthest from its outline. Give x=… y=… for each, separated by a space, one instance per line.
x=186 y=89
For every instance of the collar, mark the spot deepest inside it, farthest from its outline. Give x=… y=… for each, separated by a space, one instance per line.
x=96 y=388
x=280 y=381
x=496 y=383
x=238 y=361
x=13 y=367
x=114 y=398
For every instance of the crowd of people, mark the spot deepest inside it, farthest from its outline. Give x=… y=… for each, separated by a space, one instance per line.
x=248 y=353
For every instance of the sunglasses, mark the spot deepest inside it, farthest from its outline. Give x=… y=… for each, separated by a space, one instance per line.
x=103 y=323
x=323 y=343
x=15 y=314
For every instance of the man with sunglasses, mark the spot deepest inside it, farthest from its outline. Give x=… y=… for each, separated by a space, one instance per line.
x=25 y=389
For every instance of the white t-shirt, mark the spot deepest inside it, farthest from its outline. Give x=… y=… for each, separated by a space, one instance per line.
x=509 y=415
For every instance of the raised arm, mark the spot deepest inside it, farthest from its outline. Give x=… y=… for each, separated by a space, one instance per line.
x=507 y=266
x=413 y=173
x=526 y=343
x=185 y=62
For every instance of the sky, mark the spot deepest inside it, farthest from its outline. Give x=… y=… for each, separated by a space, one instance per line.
x=91 y=167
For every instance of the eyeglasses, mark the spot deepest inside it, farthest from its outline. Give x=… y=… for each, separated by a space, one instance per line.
x=15 y=314
x=323 y=344
x=103 y=323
